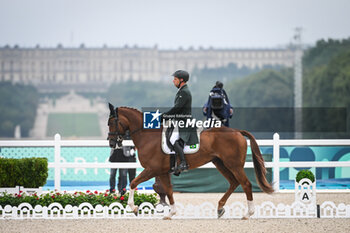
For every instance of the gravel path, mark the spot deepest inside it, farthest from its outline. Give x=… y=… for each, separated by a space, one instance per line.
x=181 y=226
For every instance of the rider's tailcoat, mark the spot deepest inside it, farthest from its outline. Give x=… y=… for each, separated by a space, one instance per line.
x=182 y=111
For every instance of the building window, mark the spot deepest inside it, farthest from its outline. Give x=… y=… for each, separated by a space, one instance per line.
x=131 y=66
x=11 y=66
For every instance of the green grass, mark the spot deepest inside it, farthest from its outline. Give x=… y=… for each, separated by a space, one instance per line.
x=73 y=124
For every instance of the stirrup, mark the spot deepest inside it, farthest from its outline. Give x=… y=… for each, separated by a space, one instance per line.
x=172 y=170
x=182 y=167
x=177 y=173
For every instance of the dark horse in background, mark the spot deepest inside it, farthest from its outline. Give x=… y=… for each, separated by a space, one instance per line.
x=226 y=148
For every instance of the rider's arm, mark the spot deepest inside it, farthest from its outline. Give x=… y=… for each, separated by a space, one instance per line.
x=179 y=104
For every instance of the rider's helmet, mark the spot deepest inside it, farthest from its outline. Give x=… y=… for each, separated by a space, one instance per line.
x=182 y=74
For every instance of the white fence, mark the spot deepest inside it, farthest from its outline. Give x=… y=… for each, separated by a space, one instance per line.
x=276 y=143
x=206 y=210
x=301 y=208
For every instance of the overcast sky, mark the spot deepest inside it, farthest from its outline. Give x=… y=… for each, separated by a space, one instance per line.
x=171 y=24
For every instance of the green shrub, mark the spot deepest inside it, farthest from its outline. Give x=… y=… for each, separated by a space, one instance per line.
x=27 y=172
x=75 y=199
x=305 y=174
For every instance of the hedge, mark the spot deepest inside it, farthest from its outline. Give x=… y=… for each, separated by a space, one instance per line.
x=27 y=172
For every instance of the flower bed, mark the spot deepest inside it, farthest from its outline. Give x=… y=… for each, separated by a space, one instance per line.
x=74 y=199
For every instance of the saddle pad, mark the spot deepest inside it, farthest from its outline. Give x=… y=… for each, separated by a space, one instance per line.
x=188 y=149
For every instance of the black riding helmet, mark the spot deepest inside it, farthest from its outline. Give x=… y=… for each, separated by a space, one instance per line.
x=182 y=74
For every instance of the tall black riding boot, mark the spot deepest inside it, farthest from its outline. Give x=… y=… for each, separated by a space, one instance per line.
x=179 y=151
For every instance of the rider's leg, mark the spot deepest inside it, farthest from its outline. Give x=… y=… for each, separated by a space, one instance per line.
x=178 y=146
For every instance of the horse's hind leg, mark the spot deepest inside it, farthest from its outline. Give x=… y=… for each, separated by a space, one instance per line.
x=167 y=186
x=242 y=178
x=233 y=185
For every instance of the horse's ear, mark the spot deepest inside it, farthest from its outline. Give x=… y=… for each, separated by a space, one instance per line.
x=111 y=109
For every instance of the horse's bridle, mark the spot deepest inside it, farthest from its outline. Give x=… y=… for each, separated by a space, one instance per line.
x=119 y=137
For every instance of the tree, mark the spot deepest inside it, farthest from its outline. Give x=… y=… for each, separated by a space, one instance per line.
x=207 y=77
x=141 y=94
x=324 y=52
x=329 y=86
x=267 y=88
x=262 y=102
x=18 y=104
x=326 y=83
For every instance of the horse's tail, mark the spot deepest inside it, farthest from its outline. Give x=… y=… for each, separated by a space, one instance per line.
x=259 y=166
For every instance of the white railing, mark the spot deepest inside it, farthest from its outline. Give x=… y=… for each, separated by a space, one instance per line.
x=276 y=143
x=300 y=208
x=206 y=210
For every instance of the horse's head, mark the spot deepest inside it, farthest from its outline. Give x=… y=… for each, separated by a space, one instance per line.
x=117 y=127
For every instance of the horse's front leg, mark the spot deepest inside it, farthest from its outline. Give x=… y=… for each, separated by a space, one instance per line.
x=167 y=186
x=145 y=175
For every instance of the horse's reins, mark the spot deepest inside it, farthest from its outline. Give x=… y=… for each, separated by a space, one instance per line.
x=117 y=133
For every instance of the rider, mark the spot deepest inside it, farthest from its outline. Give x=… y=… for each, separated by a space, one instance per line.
x=182 y=112
x=218 y=104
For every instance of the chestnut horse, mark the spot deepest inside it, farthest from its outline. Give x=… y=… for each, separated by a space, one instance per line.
x=226 y=148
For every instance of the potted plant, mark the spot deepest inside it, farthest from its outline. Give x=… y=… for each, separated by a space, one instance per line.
x=305 y=187
x=305 y=174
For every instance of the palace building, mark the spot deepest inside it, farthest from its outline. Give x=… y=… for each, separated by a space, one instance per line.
x=93 y=69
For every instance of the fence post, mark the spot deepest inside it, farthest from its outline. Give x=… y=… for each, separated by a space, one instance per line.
x=276 y=160
x=57 y=162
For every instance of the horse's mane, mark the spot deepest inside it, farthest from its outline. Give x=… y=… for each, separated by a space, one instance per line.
x=132 y=109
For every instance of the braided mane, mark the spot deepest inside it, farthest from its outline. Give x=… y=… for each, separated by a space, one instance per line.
x=133 y=109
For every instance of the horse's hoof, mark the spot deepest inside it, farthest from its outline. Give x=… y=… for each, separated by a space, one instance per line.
x=136 y=210
x=221 y=212
x=166 y=218
x=247 y=216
